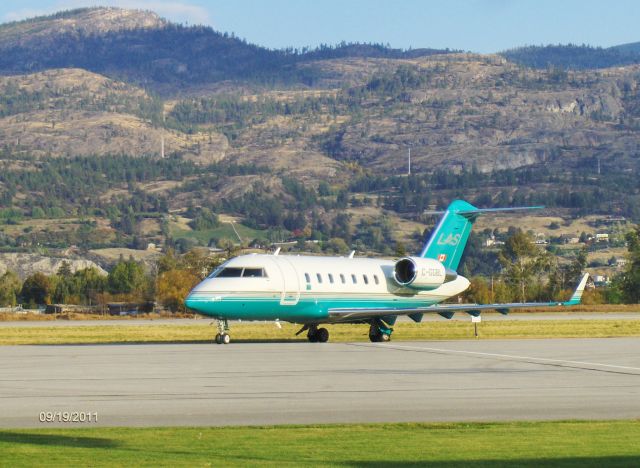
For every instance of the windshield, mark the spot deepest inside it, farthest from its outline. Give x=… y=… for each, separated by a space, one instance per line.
x=230 y=272
x=239 y=272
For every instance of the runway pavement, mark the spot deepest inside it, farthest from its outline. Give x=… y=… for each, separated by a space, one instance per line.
x=299 y=382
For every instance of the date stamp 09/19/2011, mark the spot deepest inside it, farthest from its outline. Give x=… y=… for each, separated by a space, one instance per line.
x=68 y=417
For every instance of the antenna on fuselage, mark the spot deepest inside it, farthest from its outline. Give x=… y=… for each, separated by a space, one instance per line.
x=353 y=252
x=277 y=251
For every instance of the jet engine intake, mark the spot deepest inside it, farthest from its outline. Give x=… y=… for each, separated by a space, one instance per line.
x=423 y=274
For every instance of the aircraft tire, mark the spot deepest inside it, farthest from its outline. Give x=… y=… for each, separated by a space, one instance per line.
x=312 y=337
x=322 y=335
x=379 y=337
x=219 y=338
x=225 y=338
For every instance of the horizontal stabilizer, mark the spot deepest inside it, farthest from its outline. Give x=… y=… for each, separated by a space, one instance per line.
x=485 y=210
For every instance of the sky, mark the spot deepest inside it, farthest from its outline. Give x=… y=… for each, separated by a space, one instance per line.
x=483 y=26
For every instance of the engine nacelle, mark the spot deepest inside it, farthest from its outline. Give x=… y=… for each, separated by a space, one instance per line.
x=423 y=274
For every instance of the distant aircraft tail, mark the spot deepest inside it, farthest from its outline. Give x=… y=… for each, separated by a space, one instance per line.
x=577 y=294
x=449 y=239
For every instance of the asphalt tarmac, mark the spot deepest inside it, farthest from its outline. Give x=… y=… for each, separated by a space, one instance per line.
x=300 y=382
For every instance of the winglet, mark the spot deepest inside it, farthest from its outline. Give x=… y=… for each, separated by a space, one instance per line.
x=577 y=295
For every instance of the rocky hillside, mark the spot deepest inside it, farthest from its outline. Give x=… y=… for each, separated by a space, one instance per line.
x=45 y=32
x=69 y=112
x=287 y=144
x=455 y=111
x=25 y=264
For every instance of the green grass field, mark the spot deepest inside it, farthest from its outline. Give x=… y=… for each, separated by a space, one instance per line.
x=522 y=444
x=223 y=231
x=269 y=332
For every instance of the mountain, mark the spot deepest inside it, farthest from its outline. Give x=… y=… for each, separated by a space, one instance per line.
x=140 y=47
x=118 y=128
x=631 y=48
x=574 y=57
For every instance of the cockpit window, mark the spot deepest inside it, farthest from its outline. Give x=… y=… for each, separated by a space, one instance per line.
x=238 y=272
x=254 y=273
x=230 y=272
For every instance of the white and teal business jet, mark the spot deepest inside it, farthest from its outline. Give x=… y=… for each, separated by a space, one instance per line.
x=317 y=290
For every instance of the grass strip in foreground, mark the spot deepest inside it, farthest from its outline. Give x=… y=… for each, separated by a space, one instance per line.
x=339 y=333
x=523 y=444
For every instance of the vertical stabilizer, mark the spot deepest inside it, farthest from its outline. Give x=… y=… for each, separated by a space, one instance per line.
x=448 y=240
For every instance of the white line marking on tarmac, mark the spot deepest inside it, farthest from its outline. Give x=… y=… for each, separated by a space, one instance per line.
x=509 y=356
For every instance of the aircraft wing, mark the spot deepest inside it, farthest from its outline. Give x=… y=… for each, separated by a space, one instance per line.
x=447 y=310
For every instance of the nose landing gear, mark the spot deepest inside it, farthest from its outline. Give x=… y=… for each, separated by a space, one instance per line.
x=223 y=336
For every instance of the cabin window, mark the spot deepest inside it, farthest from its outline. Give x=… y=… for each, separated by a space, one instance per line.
x=375 y=278
x=230 y=272
x=330 y=278
x=366 y=280
x=354 y=279
x=342 y=278
x=307 y=277
x=319 y=276
x=254 y=273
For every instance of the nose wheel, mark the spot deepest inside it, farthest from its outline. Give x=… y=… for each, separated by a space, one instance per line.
x=223 y=336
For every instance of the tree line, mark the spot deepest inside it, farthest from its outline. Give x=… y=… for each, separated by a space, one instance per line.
x=527 y=273
x=168 y=281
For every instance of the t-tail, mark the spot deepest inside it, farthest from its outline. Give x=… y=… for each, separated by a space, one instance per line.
x=449 y=239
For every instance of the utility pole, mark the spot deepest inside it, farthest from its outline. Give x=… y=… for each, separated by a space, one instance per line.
x=409 y=168
x=162 y=135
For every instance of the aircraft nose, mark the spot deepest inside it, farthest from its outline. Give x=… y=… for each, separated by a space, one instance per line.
x=196 y=300
x=199 y=295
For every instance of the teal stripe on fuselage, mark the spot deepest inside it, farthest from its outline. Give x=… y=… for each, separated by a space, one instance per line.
x=308 y=309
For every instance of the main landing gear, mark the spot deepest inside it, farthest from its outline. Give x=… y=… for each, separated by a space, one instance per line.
x=223 y=336
x=379 y=332
x=315 y=334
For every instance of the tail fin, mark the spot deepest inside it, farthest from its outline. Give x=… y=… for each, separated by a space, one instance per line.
x=577 y=294
x=448 y=240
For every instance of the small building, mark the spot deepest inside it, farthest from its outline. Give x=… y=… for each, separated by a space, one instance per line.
x=72 y=308
x=131 y=308
x=602 y=237
x=567 y=239
x=615 y=220
x=620 y=262
x=491 y=241
x=600 y=280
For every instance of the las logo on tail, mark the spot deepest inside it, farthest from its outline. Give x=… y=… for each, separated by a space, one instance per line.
x=314 y=290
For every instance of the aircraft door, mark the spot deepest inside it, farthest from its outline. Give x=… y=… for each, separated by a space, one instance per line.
x=290 y=282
